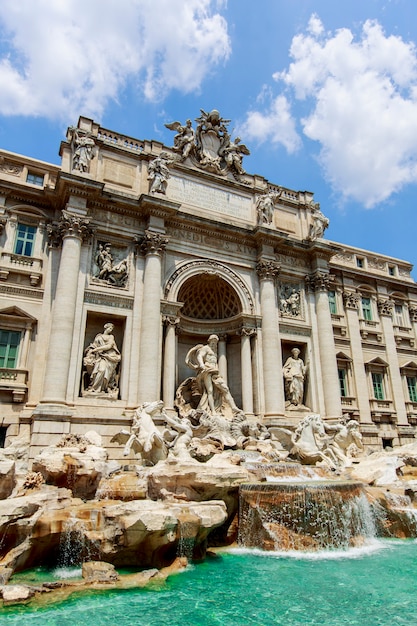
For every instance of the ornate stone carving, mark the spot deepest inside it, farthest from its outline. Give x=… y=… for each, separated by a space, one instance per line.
x=152 y=243
x=101 y=362
x=385 y=306
x=412 y=309
x=208 y=386
x=210 y=146
x=184 y=140
x=319 y=222
x=12 y=169
x=319 y=281
x=107 y=270
x=83 y=148
x=351 y=299
x=265 y=206
x=158 y=173
x=267 y=270
x=290 y=301
x=69 y=225
x=294 y=372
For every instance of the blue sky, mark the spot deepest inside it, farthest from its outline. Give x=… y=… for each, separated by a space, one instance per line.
x=323 y=92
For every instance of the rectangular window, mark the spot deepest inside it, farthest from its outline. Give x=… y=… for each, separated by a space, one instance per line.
x=391 y=270
x=332 y=302
x=9 y=348
x=343 y=382
x=366 y=309
x=25 y=238
x=378 y=386
x=359 y=262
x=35 y=179
x=398 y=311
x=412 y=388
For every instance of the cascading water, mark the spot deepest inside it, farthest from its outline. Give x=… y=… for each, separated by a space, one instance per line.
x=303 y=515
x=74 y=547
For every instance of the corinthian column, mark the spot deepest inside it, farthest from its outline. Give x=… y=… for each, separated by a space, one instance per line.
x=271 y=345
x=351 y=302
x=385 y=309
x=152 y=245
x=70 y=232
x=246 y=360
x=320 y=282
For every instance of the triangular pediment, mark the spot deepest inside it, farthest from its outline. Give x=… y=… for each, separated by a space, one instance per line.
x=15 y=313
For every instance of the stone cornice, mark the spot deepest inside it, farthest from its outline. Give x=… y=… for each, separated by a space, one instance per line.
x=24 y=292
x=108 y=299
x=158 y=207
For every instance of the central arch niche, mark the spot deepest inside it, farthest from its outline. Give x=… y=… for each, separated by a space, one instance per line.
x=211 y=305
x=208 y=297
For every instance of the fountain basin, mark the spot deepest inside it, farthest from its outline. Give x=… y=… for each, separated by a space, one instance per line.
x=299 y=515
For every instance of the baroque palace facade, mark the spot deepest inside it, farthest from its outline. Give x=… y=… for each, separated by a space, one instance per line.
x=117 y=262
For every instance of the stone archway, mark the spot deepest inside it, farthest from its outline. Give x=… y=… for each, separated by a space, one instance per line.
x=210 y=298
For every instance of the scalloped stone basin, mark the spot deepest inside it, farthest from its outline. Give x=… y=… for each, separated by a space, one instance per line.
x=299 y=515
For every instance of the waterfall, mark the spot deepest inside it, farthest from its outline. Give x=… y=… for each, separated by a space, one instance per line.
x=313 y=515
x=74 y=546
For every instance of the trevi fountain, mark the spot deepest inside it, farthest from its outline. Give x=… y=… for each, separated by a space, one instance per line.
x=211 y=519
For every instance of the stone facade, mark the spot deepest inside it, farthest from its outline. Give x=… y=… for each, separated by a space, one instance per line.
x=117 y=262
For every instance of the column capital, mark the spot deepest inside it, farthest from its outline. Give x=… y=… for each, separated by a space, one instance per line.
x=351 y=299
x=319 y=281
x=267 y=269
x=170 y=320
x=69 y=225
x=385 y=306
x=247 y=332
x=152 y=243
x=412 y=309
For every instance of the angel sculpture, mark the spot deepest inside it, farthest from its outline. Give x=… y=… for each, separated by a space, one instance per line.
x=233 y=155
x=184 y=140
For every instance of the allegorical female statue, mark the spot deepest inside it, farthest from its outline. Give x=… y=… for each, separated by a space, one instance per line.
x=101 y=360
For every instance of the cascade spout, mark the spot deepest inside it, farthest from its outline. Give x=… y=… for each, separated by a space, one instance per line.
x=316 y=515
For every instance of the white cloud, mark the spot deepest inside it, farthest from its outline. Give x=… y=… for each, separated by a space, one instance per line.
x=275 y=125
x=361 y=97
x=63 y=57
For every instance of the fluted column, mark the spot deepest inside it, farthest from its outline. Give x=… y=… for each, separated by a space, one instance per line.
x=71 y=231
x=23 y=356
x=246 y=366
x=271 y=345
x=222 y=357
x=352 y=301
x=170 y=361
x=152 y=245
x=320 y=282
x=385 y=309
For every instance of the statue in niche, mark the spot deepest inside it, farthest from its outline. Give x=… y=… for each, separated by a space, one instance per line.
x=265 y=206
x=214 y=395
x=289 y=301
x=294 y=372
x=144 y=438
x=184 y=140
x=101 y=361
x=82 y=150
x=158 y=172
x=318 y=224
x=115 y=274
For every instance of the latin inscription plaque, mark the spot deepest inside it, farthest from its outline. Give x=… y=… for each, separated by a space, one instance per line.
x=208 y=198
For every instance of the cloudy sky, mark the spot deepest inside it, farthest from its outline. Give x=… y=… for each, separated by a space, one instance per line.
x=323 y=92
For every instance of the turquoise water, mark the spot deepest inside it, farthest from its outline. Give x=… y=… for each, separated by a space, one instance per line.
x=373 y=586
